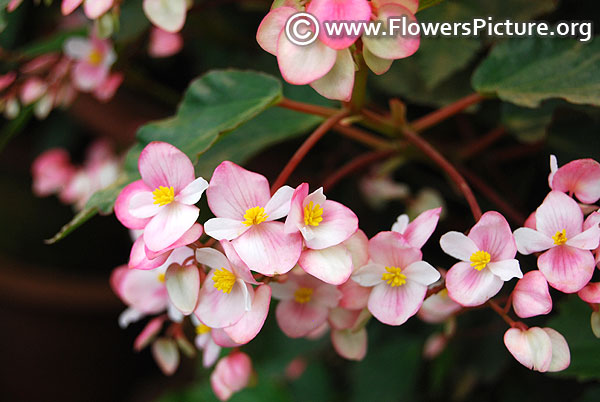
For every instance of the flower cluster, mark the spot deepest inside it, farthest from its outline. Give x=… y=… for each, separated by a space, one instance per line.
x=53 y=173
x=308 y=252
x=328 y=64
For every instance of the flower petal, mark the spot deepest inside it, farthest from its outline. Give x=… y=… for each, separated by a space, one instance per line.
x=531 y=296
x=122 y=205
x=458 y=245
x=192 y=193
x=224 y=228
x=582 y=177
x=162 y=164
x=190 y=236
x=354 y=296
x=532 y=348
x=95 y=8
x=167 y=15
x=469 y=287
x=376 y=64
x=586 y=240
x=139 y=260
x=590 y=293
x=166 y=355
x=561 y=356
x=559 y=212
x=392 y=250
x=279 y=205
x=422 y=273
x=301 y=65
x=420 y=230
x=331 y=265
x=297 y=320
x=142 y=205
x=334 y=10
x=369 y=275
x=351 y=345
x=271 y=26
x=392 y=47
x=395 y=305
x=531 y=241
x=252 y=322
x=217 y=309
x=339 y=81
x=171 y=222
x=566 y=268
x=183 y=286
x=492 y=234
x=506 y=269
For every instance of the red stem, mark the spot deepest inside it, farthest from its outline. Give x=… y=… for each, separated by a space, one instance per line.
x=362 y=136
x=444 y=113
x=354 y=165
x=307 y=108
x=305 y=147
x=482 y=143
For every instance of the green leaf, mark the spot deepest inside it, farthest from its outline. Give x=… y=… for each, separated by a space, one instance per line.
x=528 y=125
x=573 y=322
x=528 y=71
x=428 y=3
x=213 y=105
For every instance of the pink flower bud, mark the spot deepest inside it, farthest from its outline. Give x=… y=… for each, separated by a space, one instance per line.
x=539 y=349
x=531 y=296
x=231 y=375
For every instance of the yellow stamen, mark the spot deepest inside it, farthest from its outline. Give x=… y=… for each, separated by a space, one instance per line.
x=161 y=277
x=202 y=329
x=163 y=195
x=303 y=295
x=480 y=259
x=254 y=216
x=393 y=277
x=560 y=237
x=95 y=57
x=224 y=280
x=312 y=214
x=443 y=293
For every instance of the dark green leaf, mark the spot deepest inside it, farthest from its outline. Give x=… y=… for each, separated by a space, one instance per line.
x=528 y=71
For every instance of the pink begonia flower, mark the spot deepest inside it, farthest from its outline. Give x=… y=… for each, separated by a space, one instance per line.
x=246 y=213
x=12 y=5
x=398 y=276
x=107 y=90
x=32 y=90
x=253 y=320
x=531 y=296
x=7 y=79
x=420 y=229
x=438 y=308
x=183 y=286
x=167 y=15
x=590 y=293
x=580 y=177
x=167 y=197
x=231 y=375
x=380 y=52
x=378 y=189
x=326 y=64
x=94 y=57
x=305 y=304
x=295 y=368
x=539 y=349
x=51 y=171
x=354 y=296
x=487 y=260
x=145 y=292
x=349 y=344
x=568 y=265
x=593 y=219
x=227 y=291
x=92 y=8
x=163 y=43
x=149 y=333
x=166 y=355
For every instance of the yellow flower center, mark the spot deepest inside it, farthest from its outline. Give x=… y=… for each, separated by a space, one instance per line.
x=224 y=280
x=202 y=329
x=161 y=277
x=560 y=237
x=254 y=216
x=163 y=195
x=480 y=259
x=394 y=277
x=95 y=57
x=303 y=295
x=312 y=214
x=443 y=293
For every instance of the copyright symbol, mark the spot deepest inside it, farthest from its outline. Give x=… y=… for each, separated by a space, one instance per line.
x=302 y=29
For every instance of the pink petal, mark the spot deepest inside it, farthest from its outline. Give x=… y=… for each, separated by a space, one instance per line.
x=167 y=15
x=469 y=287
x=169 y=225
x=109 y=87
x=266 y=249
x=395 y=305
x=506 y=269
x=279 y=205
x=458 y=245
x=392 y=47
x=434 y=345
x=331 y=265
x=532 y=348
x=225 y=228
x=492 y=234
x=411 y=5
x=553 y=169
x=166 y=355
x=192 y=192
x=297 y=320
x=295 y=218
x=220 y=337
x=148 y=333
x=233 y=190
x=210 y=354
x=139 y=260
x=586 y=240
x=358 y=246
x=252 y=322
x=183 y=286
x=336 y=10
x=219 y=310
x=566 y=268
x=590 y=293
x=530 y=221
x=144 y=291
x=420 y=230
x=87 y=77
x=162 y=164
x=354 y=296
x=122 y=205
x=531 y=296
x=351 y=345
x=240 y=269
x=339 y=81
x=68 y=6
x=422 y=272
x=7 y=79
x=376 y=64
x=531 y=241
x=212 y=258
x=592 y=220
x=324 y=294
x=32 y=90
x=271 y=26
x=438 y=308
x=582 y=177
x=559 y=212
x=163 y=43
x=231 y=374
x=370 y=274
x=188 y=237
x=301 y=65
x=95 y=8
x=341 y=318
x=142 y=205
x=392 y=250
x=561 y=356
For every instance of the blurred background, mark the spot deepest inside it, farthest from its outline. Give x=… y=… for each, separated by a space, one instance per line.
x=59 y=337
